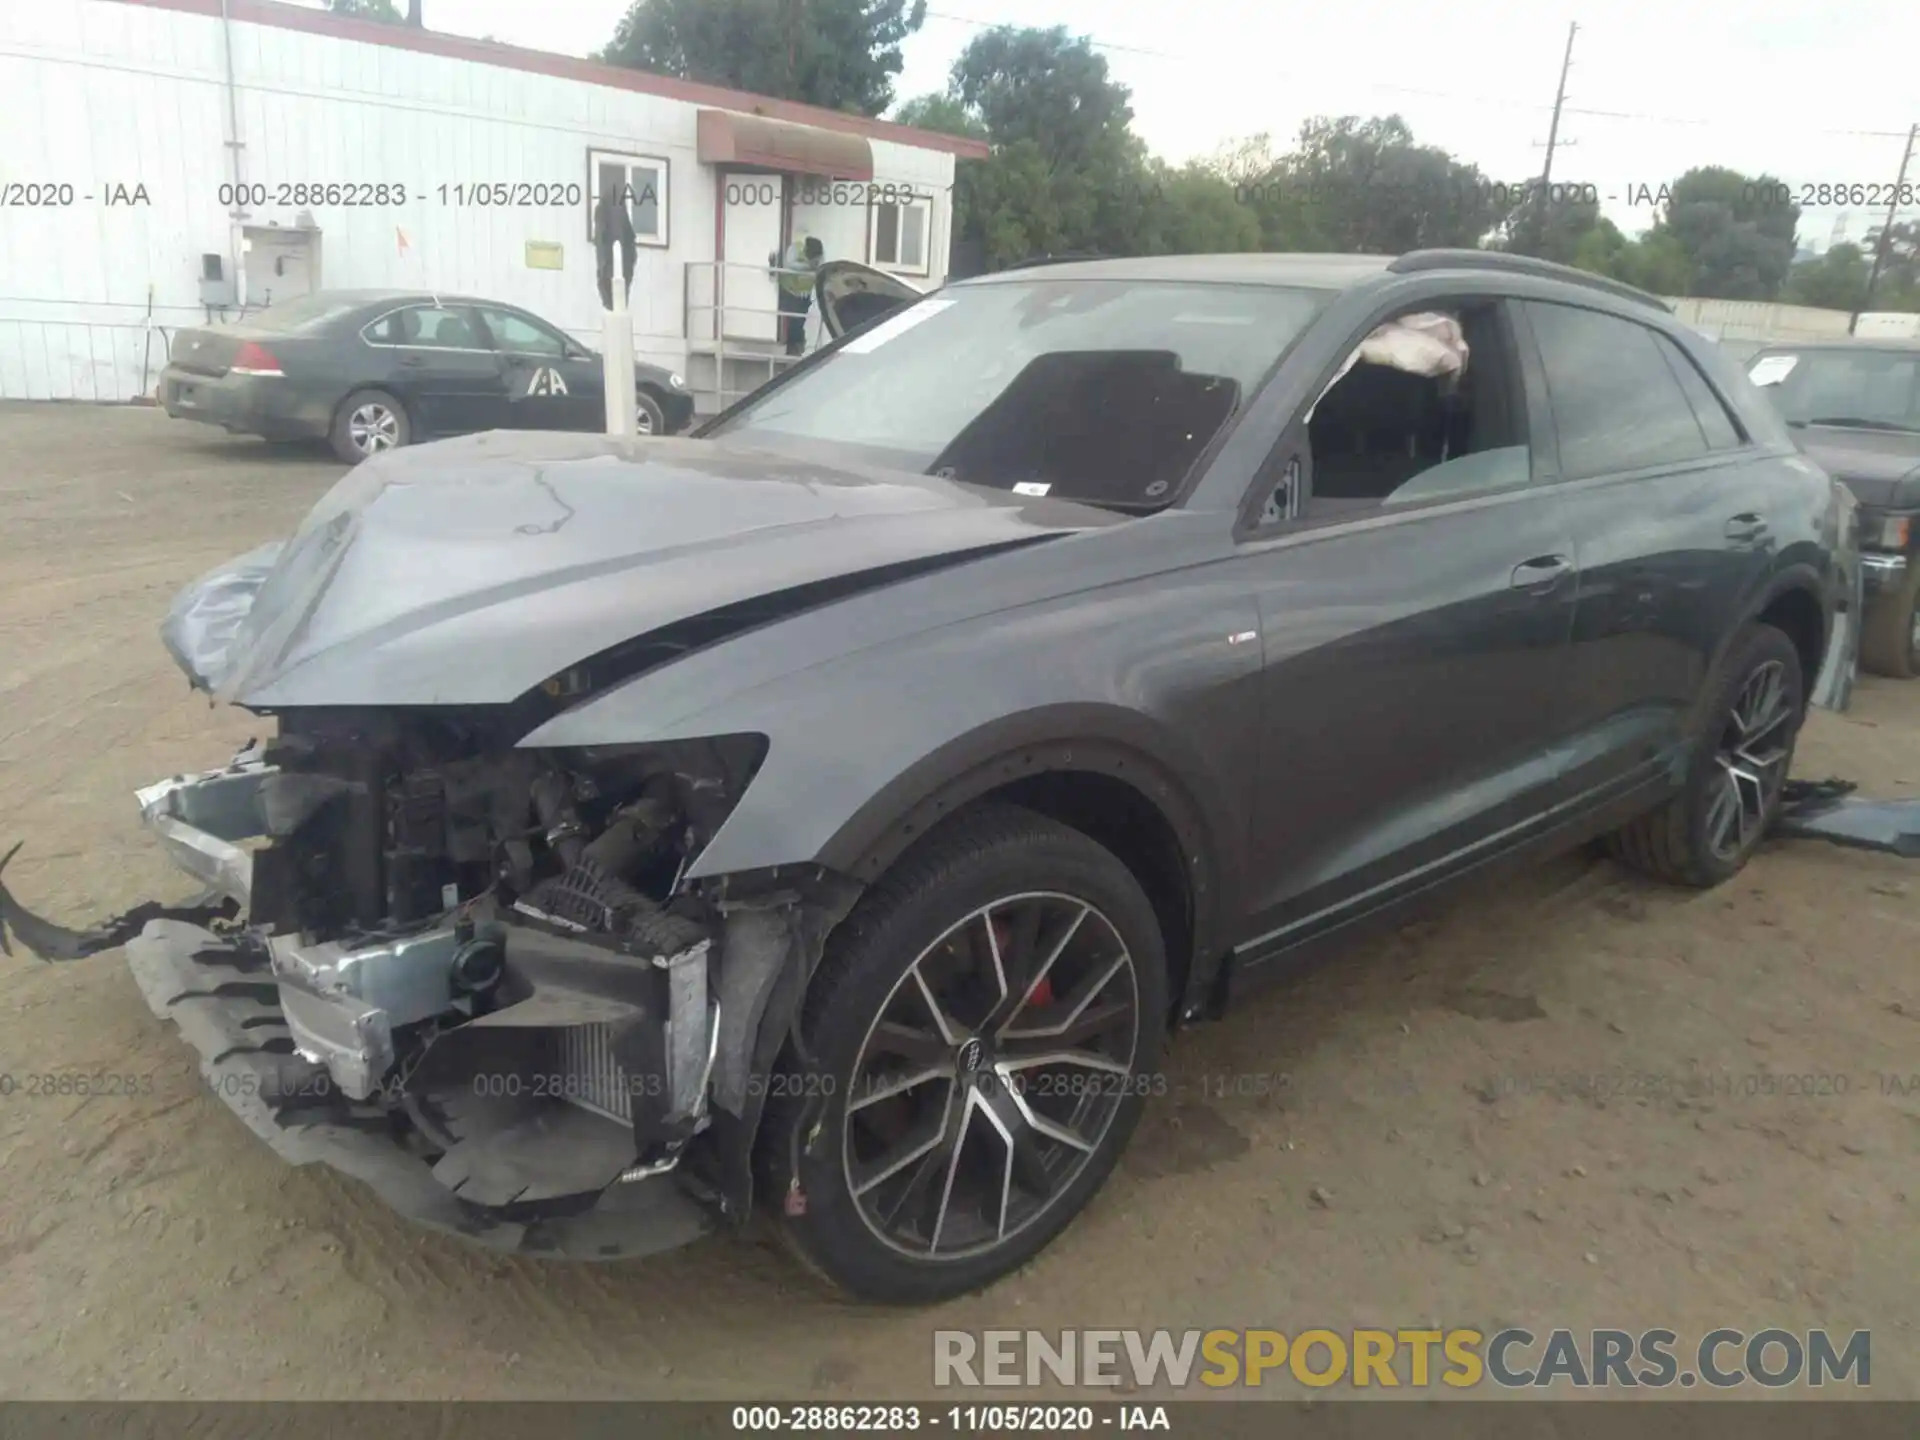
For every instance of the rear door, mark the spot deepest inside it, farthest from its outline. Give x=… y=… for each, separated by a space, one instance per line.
x=551 y=383
x=437 y=360
x=1415 y=609
x=1671 y=533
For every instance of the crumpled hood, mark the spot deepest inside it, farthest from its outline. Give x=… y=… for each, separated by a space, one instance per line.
x=469 y=571
x=1881 y=467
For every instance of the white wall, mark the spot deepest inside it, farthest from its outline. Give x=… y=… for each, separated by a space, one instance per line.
x=94 y=93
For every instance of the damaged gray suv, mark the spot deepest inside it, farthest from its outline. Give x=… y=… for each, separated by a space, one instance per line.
x=830 y=814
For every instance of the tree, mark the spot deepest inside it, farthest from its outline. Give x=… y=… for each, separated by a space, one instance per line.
x=1836 y=280
x=1736 y=231
x=1373 y=190
x=839 y=54
x=942 y=114
x=1066 y=173
x=1555 y=230
x=381 y=10
x=1046 y=87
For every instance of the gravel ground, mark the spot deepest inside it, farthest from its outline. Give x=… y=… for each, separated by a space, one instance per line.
x=1395 y=1145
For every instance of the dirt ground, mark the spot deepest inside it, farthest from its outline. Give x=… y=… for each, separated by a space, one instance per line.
x=1403 y=1138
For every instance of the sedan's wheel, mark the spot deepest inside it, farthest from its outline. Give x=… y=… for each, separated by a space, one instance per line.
x=368 y=423
x=1738 y=773
x=986 y=1026
x=648 y=418
x=1890 y=640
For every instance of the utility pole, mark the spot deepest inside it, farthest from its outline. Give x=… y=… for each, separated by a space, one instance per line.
x=1553 y=132
x=1886 y=230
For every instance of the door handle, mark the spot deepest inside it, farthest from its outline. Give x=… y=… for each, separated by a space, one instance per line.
x=1744 y=528
x=1541 y=574
x=415 y=360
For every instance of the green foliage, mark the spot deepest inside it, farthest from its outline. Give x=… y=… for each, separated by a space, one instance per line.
x=839 y=54
x=381 y=10
x=1836 y=280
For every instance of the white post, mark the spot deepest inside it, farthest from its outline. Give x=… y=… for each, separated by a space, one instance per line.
x=618 y=363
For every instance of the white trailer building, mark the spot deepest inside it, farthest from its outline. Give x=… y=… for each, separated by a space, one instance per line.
x=174 y=162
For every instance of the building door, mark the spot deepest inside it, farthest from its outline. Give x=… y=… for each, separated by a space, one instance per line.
x=753 y=205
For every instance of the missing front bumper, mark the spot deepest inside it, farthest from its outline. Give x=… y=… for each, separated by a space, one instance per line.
x=524 y=1120
x=213 y=991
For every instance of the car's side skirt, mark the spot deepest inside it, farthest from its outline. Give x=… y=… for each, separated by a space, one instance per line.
x=1571 y=823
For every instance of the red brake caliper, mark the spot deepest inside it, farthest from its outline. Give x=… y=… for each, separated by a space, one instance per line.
x=1042 y=993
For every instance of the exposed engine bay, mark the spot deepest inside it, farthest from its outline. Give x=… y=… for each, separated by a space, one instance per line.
x=488 y=955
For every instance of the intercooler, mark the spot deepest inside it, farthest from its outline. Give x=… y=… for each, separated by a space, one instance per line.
x=590 y=1076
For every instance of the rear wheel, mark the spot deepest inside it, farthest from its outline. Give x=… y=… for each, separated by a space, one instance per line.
x=368 y=423
x=1890 y=640
x=1705 y=834
x=985 y=1027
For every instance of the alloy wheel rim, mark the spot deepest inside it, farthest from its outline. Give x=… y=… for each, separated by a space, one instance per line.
x=990 y=1076
x=642 y=421
x=1755 y=745
x=373 y=428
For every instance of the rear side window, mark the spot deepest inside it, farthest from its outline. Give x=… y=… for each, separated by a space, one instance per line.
x=427 y=327
x=1616 y=401
x=1720 y=428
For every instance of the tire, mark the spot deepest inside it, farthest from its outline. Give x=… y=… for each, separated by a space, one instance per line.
x=378 y=420
x=1890 y=639
x=922 y=930
x=648 y=417
x=1694 y=839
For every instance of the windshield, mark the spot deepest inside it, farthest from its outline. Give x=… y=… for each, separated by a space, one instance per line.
x=1868 y=389
x=306 y=313
x=1097 y=390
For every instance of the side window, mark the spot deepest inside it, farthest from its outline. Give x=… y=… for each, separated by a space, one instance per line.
x=521 y=336
x=1721 y=429
x=1616 y=401
x=427 y=327
x=901 y=229
x=1428 y=407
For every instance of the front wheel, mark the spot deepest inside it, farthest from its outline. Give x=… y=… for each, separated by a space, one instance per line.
x=648 y=417
x=985 y=1028
x=1739 y=769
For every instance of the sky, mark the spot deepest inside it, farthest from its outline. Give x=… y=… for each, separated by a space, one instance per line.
x=1656 y=86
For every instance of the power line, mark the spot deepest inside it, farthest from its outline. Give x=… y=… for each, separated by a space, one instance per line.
x=1461 y=97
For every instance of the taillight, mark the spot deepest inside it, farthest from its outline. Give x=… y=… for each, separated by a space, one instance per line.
x=255 y=360
x=1895 y=531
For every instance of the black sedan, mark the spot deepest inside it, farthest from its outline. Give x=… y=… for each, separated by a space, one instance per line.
x=370 y=370
x=832 y=813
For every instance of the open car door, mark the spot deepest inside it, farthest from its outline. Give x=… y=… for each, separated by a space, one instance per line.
x=848 y=295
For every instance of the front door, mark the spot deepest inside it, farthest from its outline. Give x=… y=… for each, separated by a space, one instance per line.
x=1670 y=529
x=437 y=360
x=1416 y=593
x=752 y=209
x=551 y=383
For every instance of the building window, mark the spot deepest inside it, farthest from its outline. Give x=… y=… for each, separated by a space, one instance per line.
x=902 y=236
x=642 y=180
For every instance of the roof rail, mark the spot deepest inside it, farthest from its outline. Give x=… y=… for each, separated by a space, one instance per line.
x=1417 y=260
x=1071 y=257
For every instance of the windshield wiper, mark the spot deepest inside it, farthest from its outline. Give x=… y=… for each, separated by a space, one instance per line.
x=1855 y=422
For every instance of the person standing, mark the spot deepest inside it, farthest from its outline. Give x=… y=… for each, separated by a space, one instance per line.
x=796 y=275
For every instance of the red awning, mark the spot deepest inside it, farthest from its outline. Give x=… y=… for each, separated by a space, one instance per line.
x=725 y=138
